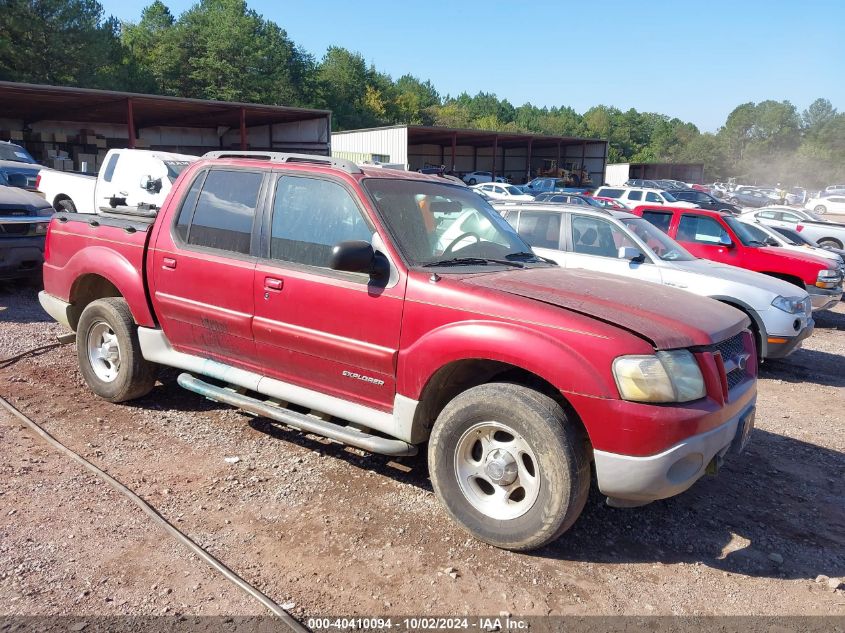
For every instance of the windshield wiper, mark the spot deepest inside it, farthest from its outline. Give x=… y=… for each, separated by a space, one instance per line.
x=472 y=261
x=525 y=255
x=756 y=243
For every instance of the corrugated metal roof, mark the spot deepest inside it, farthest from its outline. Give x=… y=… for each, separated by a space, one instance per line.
x=420 y=134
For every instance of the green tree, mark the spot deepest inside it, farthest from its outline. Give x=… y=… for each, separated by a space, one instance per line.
x=64 y=42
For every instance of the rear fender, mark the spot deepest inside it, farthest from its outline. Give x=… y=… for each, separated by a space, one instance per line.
x=119 y=271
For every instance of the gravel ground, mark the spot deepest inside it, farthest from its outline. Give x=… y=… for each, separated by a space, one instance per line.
x=335 y=531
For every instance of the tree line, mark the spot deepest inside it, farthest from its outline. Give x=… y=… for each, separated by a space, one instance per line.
x=222 y=49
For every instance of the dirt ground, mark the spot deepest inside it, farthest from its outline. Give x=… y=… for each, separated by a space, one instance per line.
x=337 y=532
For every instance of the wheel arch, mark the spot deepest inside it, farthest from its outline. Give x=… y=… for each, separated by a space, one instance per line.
x=510 y=354
x=758 y=327
x=99 y=272
x=59 y=198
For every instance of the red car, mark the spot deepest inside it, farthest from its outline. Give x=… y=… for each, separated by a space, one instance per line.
x=399 y=309
x=722 y=238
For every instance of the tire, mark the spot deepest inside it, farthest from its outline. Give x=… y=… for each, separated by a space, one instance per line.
x=557 y=455
x=109 y=355
x=829 y=242
x=734 y=201
x=66 y=205
x=820 y=209
x=472 y=181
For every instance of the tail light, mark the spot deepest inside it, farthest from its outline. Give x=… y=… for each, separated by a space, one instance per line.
x=47 y=242
x=38 y=181
x=799 y=227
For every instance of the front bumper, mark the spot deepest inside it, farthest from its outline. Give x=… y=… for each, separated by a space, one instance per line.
x=630 y=480
x=21 y=257
x=782 y=346
x=823 y=299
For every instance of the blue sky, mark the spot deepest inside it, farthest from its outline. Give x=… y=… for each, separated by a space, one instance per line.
x=691 y=59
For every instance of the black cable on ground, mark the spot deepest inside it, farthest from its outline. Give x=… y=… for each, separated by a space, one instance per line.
x=203 y=555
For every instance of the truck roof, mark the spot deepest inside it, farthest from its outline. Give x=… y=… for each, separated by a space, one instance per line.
x=668 y=207
x=314 y=161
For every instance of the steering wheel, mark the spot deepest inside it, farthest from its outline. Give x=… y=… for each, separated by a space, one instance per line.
x=455 y=241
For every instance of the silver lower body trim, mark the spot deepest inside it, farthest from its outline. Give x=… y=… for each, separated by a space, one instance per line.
x=399 y=424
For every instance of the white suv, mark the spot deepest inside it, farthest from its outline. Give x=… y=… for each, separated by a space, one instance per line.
x=635 y=196
x=624 y=244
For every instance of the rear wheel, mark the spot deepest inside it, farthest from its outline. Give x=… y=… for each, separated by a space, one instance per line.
x=820 y=209
x=109 y=355
x=66 y=205
x=472 y=181
x=508 y=466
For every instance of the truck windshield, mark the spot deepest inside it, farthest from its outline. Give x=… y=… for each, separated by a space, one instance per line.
x=663 y=246
x=175 y=167
x=15 y=153
x=436 y=224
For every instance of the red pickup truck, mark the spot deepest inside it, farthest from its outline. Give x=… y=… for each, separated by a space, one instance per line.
x=384 y=309
x=722 y=238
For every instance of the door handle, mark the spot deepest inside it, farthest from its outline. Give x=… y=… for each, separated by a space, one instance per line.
x=168 y=263
x=271 y=283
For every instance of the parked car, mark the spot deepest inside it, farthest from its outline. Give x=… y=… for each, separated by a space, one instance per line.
x=501 y=191
x=621 y=243
x=835 y=189
x=568 y=198
x=792 y=241
x=634 y=196
x=18 y=165
x=129 y=177
x=475 y=177
x=704 y=200
x=544 y=185
x=24 y=217
x=610 y=203
x=524 y=379
x=825 y=234
x=643 y=183
x=795 y=238
x=748 y=197
x=723 y=238
x=832 y=204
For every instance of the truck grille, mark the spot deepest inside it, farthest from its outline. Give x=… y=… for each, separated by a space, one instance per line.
x=735 y=359
x=14 y=229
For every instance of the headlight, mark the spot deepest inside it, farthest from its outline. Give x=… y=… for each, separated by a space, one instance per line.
x=665 y=377
x=41 y=228
x=792 y=305
x=828 y=279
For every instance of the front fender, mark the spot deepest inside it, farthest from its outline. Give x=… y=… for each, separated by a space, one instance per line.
x=117 y=269
x=533 y=350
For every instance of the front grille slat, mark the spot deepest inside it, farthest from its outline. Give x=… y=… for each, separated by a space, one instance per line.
x=732 y=350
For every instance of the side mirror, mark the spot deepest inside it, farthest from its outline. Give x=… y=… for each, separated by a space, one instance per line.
x=150 y=184
x=631 y=254
x=725 y=240
x=357 y=256
x=770 y=241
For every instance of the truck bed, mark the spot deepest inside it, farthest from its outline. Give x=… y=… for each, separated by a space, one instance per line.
x=96 y=238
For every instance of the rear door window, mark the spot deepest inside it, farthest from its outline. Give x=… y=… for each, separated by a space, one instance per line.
x=635 y=195
x=611 y=193
x=659 y=219
x=225 y=210
x=700 y=229
x=540 y=229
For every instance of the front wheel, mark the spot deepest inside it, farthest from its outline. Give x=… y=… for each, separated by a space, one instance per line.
x=509 y=466
x=472 y=181
x=109 y=354
x=820 y=209
x=829 y=242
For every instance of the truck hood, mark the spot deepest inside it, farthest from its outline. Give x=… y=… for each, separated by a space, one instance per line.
x=14 y=199
x=796 y=259
x=666 y=317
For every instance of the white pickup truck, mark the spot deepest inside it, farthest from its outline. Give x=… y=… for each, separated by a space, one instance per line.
x=129 y=177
